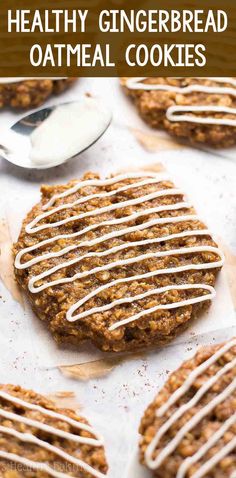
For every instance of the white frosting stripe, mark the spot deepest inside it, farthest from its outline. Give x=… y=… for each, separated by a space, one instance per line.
x=189 y=425
x=18 y=79
x=47 y=428
x=29 y=438
x=37 y=284
x=30 y=229
x=226 y=450
x=40 y=425
x=172 y=111
x=106 y=237
x=51 y=414
x=193 y=375
x=147 y=275
x=174 y=305
x=148 y=293
x=86 y=199
x=137 y=84
x=172 y=114
x=184 y=467
x=99 y=240
x=196 y=418
x=125 y=262
x=104 y=182
x=190 y=404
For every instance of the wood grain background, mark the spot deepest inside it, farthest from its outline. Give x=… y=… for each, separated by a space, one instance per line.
x=15 y=47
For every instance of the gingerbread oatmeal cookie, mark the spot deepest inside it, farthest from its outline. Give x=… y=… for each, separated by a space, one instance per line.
x=124 y=262
x=39 y=440
x=190 y=428
x=31 y=93
x=202 y=110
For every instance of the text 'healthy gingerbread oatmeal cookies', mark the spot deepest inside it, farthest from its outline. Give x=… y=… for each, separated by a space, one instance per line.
x=202 y=110
x=39 y=440
x=190 y=428
x=124 y=262
x=30 y=93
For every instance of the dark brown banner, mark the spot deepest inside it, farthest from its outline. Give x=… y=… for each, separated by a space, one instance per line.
x=117 y=38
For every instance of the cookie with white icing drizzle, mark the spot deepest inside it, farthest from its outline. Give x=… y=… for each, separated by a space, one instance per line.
x=201 y=110
x=26 y=93
x=190 y=428
x=124 y=262
x=37 y=439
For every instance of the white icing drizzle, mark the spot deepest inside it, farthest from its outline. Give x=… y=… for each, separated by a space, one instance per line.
x=134 y=278
x=172 y=116
x=151 y=179
x=204 y=449
x=174 y=113
x=30 y=229
x=53 y=414
x=30 y=438
x=112 y=265
x=19 y=80
x=192 y=377
x=215 y=459
x=102 y=182
x=195 y=419
x=174 y=305
x=92 y=196
x=191 y=424
x=105 y=237
x=180 y=412
x=148 y=293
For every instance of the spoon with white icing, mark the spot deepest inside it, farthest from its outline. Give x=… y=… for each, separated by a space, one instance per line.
x=53 y=135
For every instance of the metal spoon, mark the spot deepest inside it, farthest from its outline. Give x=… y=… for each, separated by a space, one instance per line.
x=51 y=136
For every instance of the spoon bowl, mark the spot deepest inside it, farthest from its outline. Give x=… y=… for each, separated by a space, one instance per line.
x=51 y=136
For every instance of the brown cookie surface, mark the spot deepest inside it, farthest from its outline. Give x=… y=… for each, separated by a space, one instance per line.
x=31 y=93
x=190 y=428
x=39 y=440
x=154 y=106
x=124 y=262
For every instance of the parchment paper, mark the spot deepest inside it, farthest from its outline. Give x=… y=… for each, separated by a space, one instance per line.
x=220 y=315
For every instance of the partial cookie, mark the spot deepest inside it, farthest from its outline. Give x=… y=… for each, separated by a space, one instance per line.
x=190 y=428
x=124 y=262
x=39 y=440
x=202 y=110
x=31 y=93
